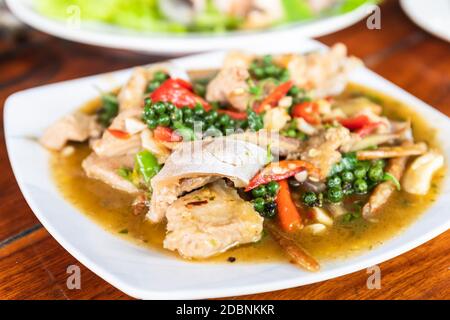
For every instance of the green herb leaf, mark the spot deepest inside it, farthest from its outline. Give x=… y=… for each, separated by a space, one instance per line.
x=389 y=177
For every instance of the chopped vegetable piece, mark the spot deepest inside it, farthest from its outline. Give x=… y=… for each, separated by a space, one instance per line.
x=273 y=98
x=166 y=134
x=277 y=171
x=389 y=177
x=288 y=215
x=179 y=93
x=109 y=109
x=234 y=114
x=147 y=165
x=309 y=111
x=361 y=124
x=119 y=134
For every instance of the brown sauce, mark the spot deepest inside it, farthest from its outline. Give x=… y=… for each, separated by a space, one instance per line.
x=112 y=209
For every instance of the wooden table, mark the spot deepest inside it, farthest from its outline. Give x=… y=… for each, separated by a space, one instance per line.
x=33 y=265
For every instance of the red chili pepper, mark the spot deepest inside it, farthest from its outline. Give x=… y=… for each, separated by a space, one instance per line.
x=179 y=93
x=355 y=123
x=309 y=111
x=276 y=95
x=360 y=124
x=288 y=215
x=367 y=129
x=277 y=171
x=166 y=134
x=119 y=134
x=236 y=115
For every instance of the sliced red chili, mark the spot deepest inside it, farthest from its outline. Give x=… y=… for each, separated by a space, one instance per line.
x=276 y=95
x=277 y=171
x=309 y=111
x=166 y=134
x=236 y=115
x=361 y=124
x=119 y=134
x=178 y=92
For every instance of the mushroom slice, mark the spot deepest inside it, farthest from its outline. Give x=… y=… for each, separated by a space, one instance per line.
x=418 y=176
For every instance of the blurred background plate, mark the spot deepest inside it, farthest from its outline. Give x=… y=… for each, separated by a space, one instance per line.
x=172 y=44
x=433 y=16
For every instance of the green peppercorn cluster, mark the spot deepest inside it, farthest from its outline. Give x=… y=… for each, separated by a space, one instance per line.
x=292 y=132
x=349 y=176
x=265 y=68
x=158 y=78
x=212 y=122
x=264 y=199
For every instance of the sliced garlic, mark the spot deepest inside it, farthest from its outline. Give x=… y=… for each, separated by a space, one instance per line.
x=301 y=176
x=316 y=228
x=321 y=216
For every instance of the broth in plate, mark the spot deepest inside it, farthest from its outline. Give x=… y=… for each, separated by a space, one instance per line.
x=112 y=209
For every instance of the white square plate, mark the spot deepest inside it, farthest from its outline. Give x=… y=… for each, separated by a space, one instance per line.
x=142 y=273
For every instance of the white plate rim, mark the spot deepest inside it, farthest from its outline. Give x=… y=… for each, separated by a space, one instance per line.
x=174 y=45
x=412 y=13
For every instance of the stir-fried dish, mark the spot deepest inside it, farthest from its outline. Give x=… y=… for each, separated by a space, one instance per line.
x=181 y=16
x=268 y=147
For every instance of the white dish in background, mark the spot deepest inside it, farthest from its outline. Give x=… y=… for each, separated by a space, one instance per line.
x=120 y=38
x=147 y=274
x=433 y=16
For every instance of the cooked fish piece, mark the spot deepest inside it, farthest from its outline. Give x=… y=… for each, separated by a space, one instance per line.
x=131 y=94
x=325 y=73
x=221 y=157
x=210 y=221
x=322 y=149
x=382 y=192
x=418 y=176
x=112 y=146
x=230 y=84
x=75 y=127
x=106 y=170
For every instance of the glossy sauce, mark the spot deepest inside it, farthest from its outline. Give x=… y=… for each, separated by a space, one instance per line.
x=112 y=209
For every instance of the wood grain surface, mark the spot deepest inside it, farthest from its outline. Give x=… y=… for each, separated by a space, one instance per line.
x=33 y=265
